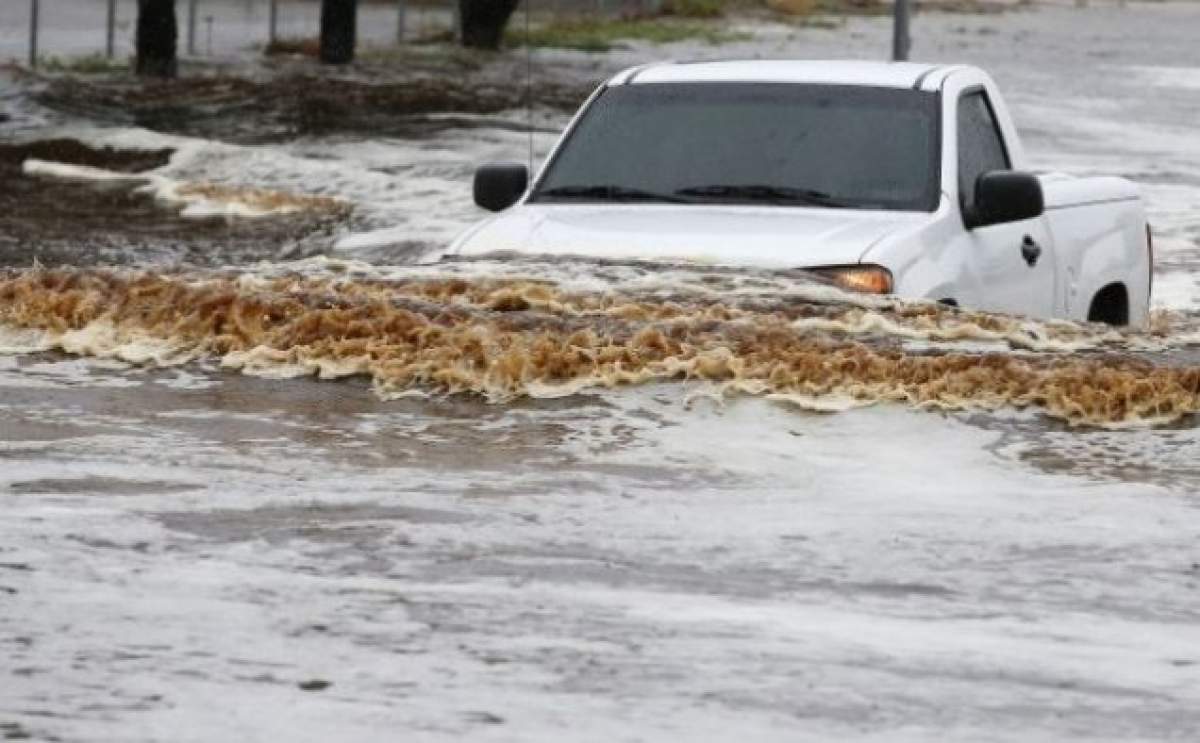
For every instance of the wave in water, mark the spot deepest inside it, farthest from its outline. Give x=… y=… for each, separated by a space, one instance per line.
x=509 y=336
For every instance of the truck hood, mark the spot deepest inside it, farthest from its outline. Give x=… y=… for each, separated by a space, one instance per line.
x=752 y=236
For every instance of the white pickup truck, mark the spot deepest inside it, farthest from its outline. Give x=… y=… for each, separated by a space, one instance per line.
x=888 y=178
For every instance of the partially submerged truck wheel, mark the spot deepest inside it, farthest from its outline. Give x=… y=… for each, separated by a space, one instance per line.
x=886 y=178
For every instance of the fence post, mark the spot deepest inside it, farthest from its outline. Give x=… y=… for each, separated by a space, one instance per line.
x=110 y=28
x=33 y=33
x=191 y=34
x=901 y=41
x=273 y=22
x=401 y=21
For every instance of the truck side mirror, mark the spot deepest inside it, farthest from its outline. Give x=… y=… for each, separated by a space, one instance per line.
x=498 y=187
x=1003 y=196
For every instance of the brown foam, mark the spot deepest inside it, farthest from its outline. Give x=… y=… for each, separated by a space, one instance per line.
x=508 y=338
x=264 y=200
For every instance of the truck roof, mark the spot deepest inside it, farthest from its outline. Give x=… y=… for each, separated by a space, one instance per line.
x=828 y=72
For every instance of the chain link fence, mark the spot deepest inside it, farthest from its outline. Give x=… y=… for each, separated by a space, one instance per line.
x=58 y=31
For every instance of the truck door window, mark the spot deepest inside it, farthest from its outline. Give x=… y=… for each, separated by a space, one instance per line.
x=980 y=146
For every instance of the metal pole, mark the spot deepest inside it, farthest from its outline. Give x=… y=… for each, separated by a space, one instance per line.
x=273 y=31
x=401 y=12
x=33 y=33
x=901 y=41
x=191 y=44
x=110 y=29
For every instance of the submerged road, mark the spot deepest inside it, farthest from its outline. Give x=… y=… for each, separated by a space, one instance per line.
x=197 y=558
x=191 y=554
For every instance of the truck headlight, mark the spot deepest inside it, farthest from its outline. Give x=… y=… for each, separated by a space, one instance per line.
x=858 y=278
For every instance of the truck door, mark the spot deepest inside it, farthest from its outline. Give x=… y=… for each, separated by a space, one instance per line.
x=1013 y=264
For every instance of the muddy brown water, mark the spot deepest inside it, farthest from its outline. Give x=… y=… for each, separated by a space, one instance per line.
x=52 y=221
x=509 y=338
x=282 y=107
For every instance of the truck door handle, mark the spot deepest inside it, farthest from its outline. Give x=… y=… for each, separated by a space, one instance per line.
x=1030 y=251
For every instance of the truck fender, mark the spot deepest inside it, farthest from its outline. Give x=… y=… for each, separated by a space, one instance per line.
x=1105 y=263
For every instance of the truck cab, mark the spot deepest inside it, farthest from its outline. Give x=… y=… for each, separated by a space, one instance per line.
x=896 y=178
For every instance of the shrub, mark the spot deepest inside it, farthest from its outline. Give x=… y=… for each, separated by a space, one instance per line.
x=694 y=8
x=90 y=64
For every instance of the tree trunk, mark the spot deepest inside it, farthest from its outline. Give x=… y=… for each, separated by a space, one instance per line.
x=157 y=34
x=339 y=28
x=483 y=21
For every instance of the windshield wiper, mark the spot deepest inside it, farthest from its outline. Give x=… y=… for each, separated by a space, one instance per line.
x=610 y=193
x=753 y=192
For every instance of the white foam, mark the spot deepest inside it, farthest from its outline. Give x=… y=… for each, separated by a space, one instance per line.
x=69 y=172
x=18 y=341
x=194 y=202
x=1187 y=78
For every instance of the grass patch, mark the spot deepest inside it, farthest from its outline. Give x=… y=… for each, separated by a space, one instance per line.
x=601 y=35
x=89 y=64
x=694 y=8
x=823 y=22
x=306 y=47
x=808 y=9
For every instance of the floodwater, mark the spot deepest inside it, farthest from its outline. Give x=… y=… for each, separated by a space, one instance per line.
x=292 y=486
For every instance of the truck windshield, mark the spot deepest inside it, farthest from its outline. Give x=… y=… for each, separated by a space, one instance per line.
x=752 y=143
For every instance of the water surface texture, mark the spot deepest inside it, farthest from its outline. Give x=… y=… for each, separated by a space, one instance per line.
x=263 y=478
